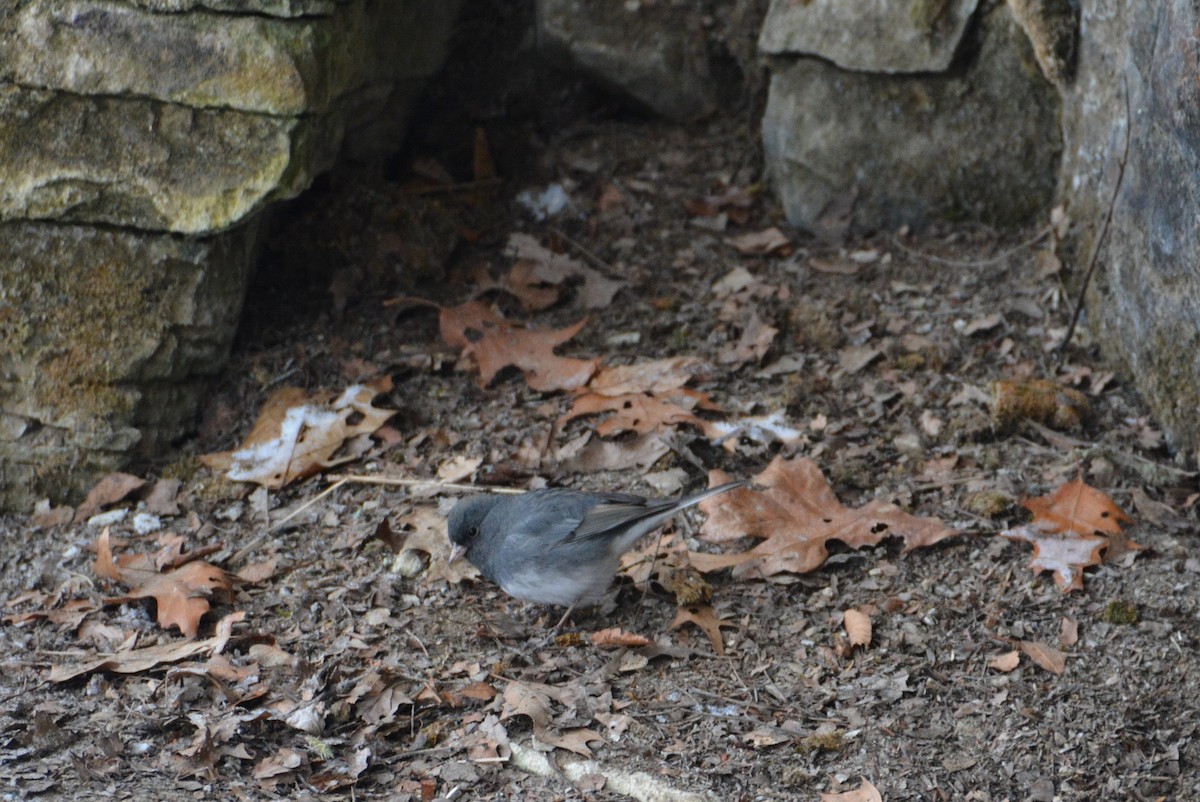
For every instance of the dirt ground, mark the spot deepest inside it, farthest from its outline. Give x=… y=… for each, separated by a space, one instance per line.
x=352 y=676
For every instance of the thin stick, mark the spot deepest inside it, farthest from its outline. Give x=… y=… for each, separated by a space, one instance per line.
x=241 y=553
x=579 y=246
x=364 y=479
x=1000 y=257
x=1087 y=278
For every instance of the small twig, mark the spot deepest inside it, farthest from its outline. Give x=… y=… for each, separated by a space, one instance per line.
x=974 y=263
x=1112 y=204
x=192 y=556
x=364 y=479
x=953 y=480
x=241 y=553
x=579 y=246
x=462 y=186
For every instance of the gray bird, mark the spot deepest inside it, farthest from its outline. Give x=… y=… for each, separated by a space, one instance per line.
x=554 y=545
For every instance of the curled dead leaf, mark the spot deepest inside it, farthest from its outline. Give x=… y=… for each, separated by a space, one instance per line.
x=858 y=627
x=706 y=618
x=298 y=434
x=1045 y=656
x=1005 y=662
x=864 y=793
x=617 y=638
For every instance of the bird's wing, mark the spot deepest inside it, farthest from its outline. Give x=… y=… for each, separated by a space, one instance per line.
x=618 y=510
x=604 y=518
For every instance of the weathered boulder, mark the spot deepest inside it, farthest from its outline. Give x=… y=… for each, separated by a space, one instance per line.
x=1144 y=302
x=140 y=143
x=106 y=338
x=904 y=113
x=654 y=53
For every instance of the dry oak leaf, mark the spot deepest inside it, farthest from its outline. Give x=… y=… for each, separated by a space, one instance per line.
x=864 y=793
x=484 y=336
x=588 y=454
x=136 y=661
x=753 y=344
x=298 y=434
x=707 y=619
x=1076 y=507
x=1066 y=555
x=532 y=699
x=795 y=515
x=641 y=413
x=180 y=594
x=595 y=290
x=1073 y=528
x=657 y=377
x=109 y=490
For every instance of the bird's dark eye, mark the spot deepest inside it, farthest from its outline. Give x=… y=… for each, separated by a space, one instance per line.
x=473 y=531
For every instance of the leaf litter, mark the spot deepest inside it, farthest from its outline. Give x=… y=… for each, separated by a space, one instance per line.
x=346 y=669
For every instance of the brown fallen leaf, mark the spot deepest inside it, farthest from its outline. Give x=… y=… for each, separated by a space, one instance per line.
x=259 y=572
x=706 y=618
x=1005 y=662
x=1076 y=507
x=595 y=290
x=1068 y=634
x=533 y=700
x=616 y=638
x=524 y=282
x=1045 y=656
x=1075 y=527
x=458 y=468
x=795 y=515
x=597 y=454
x=181 y=594
x=136 y=661
x=764 y=737
x=753 y=344
x=637 y=412
x=298 y=434
x=854 y=358
x=484 y=336
x=864 y=793
x=109 y=490
x=767 y=241
x=858 y=628
x=1066 y=555
x=657 y=376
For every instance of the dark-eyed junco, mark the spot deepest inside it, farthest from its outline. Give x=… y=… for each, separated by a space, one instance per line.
x=555 y=545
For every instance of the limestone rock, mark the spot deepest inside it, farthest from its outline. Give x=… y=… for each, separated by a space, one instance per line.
x=106 y=338
x=140 y=144
x=653 y=53
x=1144 y=302
x=978 y=141
x=1053 y=28
x=881 y=36
x=243 y=62
x=162 y=167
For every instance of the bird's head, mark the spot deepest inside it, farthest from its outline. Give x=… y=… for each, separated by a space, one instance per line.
x=464 y=522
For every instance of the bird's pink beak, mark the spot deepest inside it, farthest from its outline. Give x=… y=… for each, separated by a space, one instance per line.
x=457 y=552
